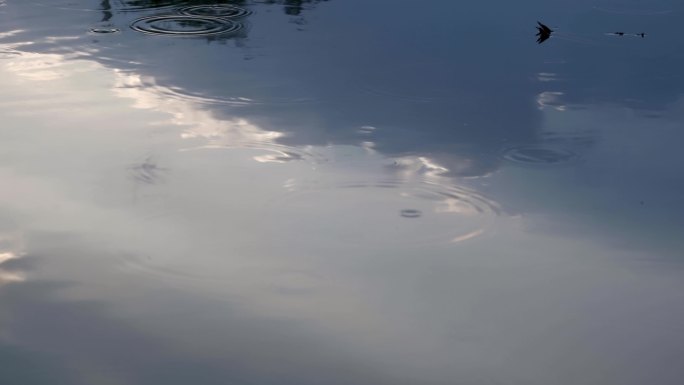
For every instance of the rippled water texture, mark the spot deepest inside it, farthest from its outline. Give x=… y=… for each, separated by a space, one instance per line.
x=539 y=155
x=184 y=25
x=341 y=192
x=218 y=10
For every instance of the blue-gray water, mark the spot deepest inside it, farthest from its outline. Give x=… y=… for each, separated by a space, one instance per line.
x=341 y=192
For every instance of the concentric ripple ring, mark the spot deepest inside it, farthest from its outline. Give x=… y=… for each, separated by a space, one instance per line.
x=184 y=25
x=227 y=11
x=539 y=155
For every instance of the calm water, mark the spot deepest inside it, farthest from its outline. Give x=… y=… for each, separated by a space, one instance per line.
x=341 y=192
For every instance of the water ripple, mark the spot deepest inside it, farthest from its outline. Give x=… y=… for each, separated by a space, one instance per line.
x=138 y=6
x=215 y=10
x=411 y=213
x=271 y=152
x=539 y=155
x=179 y=93
x=184 y=25
x=370 y=214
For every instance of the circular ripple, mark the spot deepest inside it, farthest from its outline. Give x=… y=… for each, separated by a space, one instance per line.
x=184 y=25
x=157 y=5
x=229 y=11
x=178 y=93
x=410 y=213
x=539 y=155
x=365 y=214
x=326 y=217
x=266 y=152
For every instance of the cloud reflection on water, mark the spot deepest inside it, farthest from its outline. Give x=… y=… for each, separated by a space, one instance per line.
x=8 y=276
x=240 y=267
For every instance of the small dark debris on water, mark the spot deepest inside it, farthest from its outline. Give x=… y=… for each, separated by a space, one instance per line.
x=147 y=172
x=642 y=34
x=543 y=32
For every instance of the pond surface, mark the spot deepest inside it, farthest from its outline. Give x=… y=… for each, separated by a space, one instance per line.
x=341 y=192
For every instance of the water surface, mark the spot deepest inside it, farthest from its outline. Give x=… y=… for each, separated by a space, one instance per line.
x=336 y=192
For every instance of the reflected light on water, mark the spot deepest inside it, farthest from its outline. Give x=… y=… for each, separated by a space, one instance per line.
x=468 y=236
x=381 y=254
x=7 y=34
x=278 y=157
x=368 y=146
x=198 y=123
x=411 y=166
x=44 y=67
x=547 y=77
x=458 y=205
x=550 y=99
x=9 y=276
x=223 y=132
x=4 y=257
x=56 y=39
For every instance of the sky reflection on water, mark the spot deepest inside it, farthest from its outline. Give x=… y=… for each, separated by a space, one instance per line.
x=341 y=192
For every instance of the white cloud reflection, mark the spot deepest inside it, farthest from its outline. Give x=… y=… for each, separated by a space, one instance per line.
x=197 y=123
x=8 y=275
x=547 y=77
x=342 y=268
x=551 y=99
x=44 y=66
x=410 y=167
